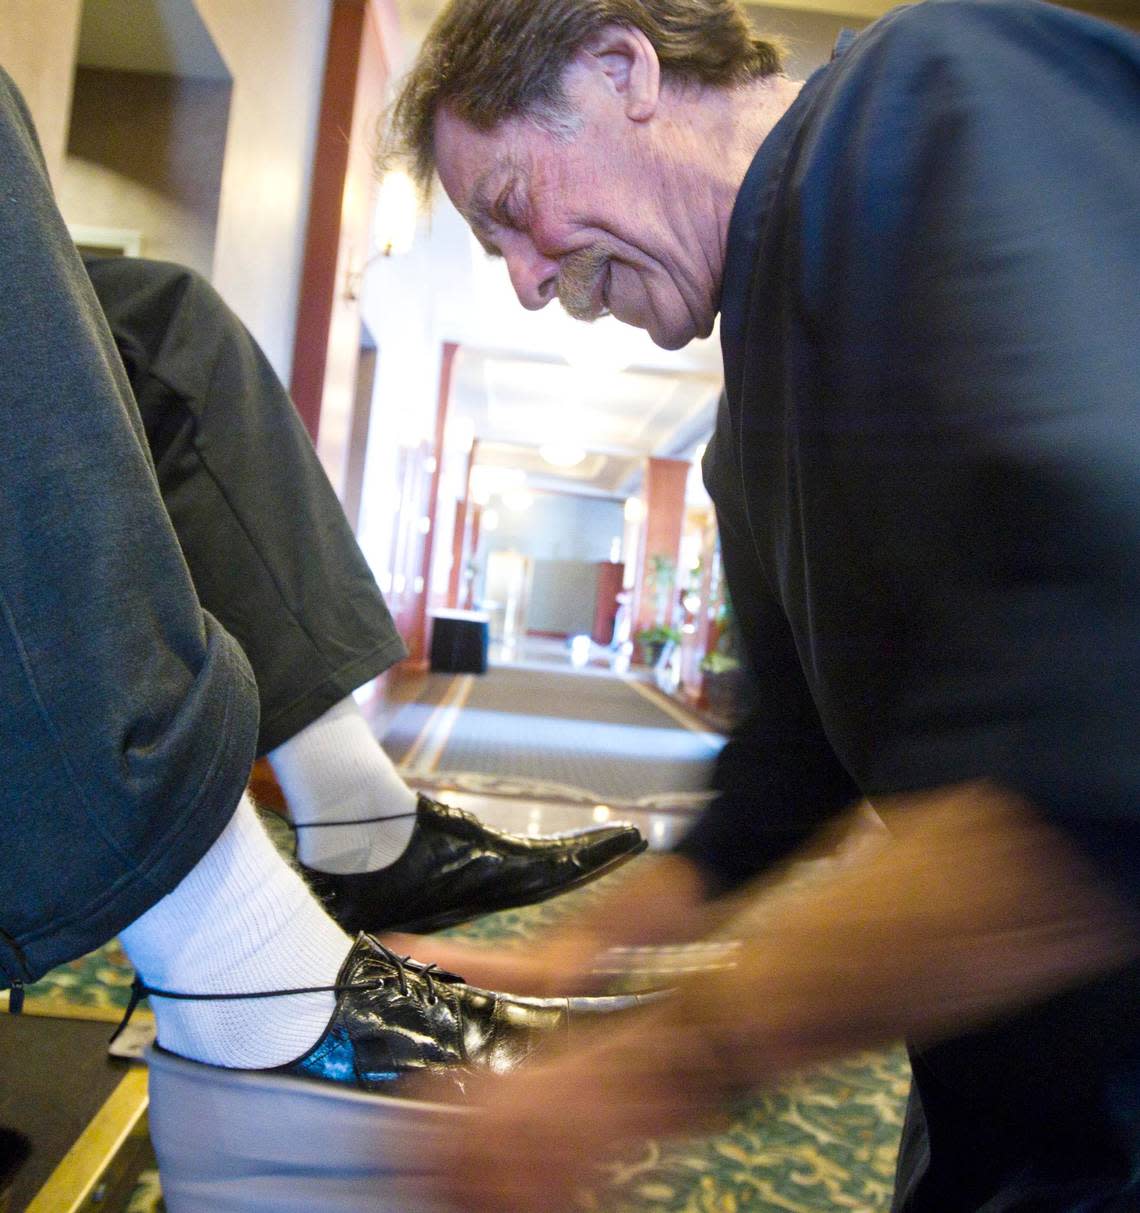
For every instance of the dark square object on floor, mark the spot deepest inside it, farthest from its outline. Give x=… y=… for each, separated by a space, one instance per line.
x=459 y=641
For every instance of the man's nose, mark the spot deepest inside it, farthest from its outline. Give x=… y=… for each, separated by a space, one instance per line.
x=534 y=277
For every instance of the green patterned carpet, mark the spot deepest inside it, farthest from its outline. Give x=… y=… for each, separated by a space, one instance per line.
x=825 y=1140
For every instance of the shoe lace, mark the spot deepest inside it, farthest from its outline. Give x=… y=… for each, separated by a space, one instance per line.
x=423 y=971
x=405 y=968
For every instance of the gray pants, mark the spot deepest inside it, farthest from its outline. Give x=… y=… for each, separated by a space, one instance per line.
x=128 y=713
x=270 y=551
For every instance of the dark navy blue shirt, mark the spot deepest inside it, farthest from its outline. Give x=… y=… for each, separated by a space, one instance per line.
x=927 y=481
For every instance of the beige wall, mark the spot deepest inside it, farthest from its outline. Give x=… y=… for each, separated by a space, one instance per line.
x=145 y=152
x=809 y=37
x=37 y=48
x=275 y=52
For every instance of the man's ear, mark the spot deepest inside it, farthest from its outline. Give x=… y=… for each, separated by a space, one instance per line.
x=628 y=65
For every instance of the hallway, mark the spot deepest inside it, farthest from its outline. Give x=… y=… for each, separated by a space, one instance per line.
x=536 y=745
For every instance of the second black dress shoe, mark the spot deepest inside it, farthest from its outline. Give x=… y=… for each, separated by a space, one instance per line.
x=455 y=868
x=395 y=1018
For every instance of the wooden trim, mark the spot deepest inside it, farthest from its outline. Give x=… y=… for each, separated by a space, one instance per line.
x=326 y=200
x=459 y=538
x=95 y=1148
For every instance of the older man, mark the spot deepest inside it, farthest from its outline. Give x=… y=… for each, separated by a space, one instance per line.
x=925 y=262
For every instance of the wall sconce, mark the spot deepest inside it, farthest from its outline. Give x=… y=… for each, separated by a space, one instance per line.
x=393 y=231
x=394 y=214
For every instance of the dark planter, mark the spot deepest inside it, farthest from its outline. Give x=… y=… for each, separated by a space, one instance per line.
x=652 y=652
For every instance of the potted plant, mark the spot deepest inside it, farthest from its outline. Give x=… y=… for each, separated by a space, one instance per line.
x=654 y=640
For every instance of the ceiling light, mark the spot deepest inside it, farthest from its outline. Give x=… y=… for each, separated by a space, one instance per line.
x=518 y=499
x=562 y=454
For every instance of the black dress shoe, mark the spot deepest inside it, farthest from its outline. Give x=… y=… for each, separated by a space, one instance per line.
x=396 y=1019
x=455 y=868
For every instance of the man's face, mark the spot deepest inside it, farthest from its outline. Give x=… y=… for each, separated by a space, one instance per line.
x=587 y=220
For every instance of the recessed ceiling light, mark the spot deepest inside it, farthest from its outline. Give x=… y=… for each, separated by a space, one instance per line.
x=562 y=454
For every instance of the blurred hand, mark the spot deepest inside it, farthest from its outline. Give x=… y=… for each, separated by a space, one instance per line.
x=543 y=968
x=540 y=1132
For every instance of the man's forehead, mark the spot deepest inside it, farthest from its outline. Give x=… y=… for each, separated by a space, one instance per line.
x=464 y=155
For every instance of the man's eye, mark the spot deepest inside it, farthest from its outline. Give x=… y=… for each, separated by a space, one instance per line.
x=507 y=211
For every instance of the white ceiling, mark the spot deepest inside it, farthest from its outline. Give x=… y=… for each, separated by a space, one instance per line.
x=517 y=404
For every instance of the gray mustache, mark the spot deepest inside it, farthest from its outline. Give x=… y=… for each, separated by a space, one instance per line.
x=579 y=274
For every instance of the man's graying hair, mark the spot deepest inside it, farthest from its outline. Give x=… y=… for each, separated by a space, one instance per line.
x=488 y=60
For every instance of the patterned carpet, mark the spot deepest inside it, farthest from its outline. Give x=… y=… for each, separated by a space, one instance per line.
x=822 y=1141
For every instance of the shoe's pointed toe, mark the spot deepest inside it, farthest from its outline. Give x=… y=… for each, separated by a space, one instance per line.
x=602 y=848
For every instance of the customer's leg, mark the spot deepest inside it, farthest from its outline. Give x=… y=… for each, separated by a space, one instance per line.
x=273 y=557
x=269 y=548
x=128 y=719
x=128 y=716
x=270 y=551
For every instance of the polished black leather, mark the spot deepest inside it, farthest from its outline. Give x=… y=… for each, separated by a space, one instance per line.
x=398 y=1019
x=455 y=868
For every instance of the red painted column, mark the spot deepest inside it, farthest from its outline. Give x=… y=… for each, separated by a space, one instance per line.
x=326 y=202
x=664 y=517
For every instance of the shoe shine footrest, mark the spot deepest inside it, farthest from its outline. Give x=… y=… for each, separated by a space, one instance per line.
x=240 y=1141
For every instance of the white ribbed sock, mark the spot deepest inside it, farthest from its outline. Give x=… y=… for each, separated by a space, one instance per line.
x=241 y=920
x=334 y=770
